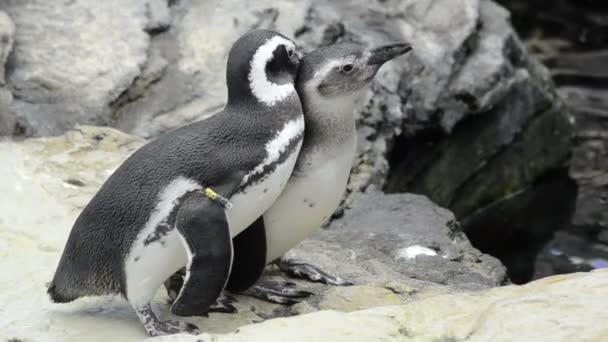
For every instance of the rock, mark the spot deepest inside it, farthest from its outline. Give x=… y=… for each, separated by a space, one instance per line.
x=459 y=119
x=522 y=224
x=558 y=308
x=184 y=78
x=7 y=117
x=7 y=33
x=72 y=60
x=395 y=248
x=54 y=178
x=570 y=45
x=482 y=169
x=403 y=234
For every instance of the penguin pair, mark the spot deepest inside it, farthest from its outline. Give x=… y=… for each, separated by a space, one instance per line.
x=211 y=195
x=330 y=82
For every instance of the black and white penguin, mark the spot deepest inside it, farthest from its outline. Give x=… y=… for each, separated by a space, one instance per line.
x=152 y=217
x=330 y=82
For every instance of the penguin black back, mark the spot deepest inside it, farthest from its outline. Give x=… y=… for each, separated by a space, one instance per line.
x=230 y=142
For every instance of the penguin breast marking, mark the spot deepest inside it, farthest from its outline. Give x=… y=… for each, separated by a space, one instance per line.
x=308 y=200
x=157 y=251
x=262 y=186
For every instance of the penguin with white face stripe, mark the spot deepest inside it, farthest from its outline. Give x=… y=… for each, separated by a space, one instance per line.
x=151 y=217
x=330 y=81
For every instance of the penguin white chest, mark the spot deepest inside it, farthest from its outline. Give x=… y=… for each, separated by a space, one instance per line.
x=154 y=257
x=307 y=202
x=272 y=175
x=257 y=198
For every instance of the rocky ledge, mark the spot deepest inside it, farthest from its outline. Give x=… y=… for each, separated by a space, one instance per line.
x=457 y=120
x=395 y=248
x=416 y=275
x=559 y=308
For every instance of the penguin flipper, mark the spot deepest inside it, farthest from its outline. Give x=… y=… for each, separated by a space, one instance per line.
x=248 y=262
x=203 y=227
x=249 y=259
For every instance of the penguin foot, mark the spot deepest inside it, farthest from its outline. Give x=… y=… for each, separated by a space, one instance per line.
x=223 y=304
x=156 y=327
x=160 y=328
x=302 y=270
x=174 y=284
x=277 y=292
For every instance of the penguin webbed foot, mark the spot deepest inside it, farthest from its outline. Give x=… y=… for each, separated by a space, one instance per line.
x=302 y=270
x=174 y=284
x=156 y=327
x=277 y=292
x=222 y=304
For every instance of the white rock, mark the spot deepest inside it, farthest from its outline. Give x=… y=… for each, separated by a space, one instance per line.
x=46 y=182
x=414 y=251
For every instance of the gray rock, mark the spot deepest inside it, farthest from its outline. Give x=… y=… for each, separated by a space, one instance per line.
x=49 y=181
x=409 y=236
x=7 y=37
x=560 y=308
x=73 y=59
x=184 y=78
x=7 y=117
x=459 y=68
x=149 y=66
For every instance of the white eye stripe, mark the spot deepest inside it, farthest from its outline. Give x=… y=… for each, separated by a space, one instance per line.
x=262 y=88
x=336 y=63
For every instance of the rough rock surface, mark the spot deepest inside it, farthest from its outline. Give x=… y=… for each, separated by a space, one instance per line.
x=405 y=234
x=47 y=181
x=183 y=79
x=7 y=117
x=459 y=119
x=72 y=59
x=569 y=37
x=558 y=308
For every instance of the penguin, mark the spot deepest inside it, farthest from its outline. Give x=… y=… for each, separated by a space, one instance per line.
x=181 y=198
x=330 y=81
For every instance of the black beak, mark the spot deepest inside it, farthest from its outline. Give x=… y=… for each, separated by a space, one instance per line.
x=383 y=54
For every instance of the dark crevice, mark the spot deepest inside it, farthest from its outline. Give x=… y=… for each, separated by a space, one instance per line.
x=498 y=153
x=523 y=224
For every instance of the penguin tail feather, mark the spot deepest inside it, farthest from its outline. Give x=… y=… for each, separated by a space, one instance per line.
x=57 y=296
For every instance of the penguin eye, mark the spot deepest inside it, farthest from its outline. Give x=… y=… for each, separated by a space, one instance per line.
x=348 y=68
x=290 y=53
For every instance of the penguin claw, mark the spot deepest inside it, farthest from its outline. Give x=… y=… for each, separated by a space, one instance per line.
x=224 y=304
x=279 y=293
x=156 y=327
x=160 y=328
x=309 y=272
x=222 y=308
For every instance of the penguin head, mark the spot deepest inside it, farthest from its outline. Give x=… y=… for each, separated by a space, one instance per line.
x=262 y=67
x=340 y=71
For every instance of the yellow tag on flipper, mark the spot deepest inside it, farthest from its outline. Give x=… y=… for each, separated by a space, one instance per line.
x=214 y=196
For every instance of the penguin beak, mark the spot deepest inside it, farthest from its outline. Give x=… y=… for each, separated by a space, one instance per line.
x=383 y=54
